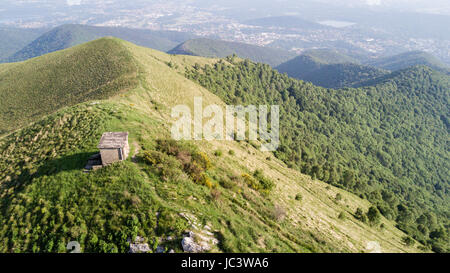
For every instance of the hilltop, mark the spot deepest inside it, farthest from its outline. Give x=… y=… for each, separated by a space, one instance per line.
x=330 y=56
x=35 y=88
x=408 y=59
x=66 y=36
x=221 y=49
x=329 y=69
x=249 y=200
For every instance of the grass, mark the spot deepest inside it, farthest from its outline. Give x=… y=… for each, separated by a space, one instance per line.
x=37 y=87
x=46 y=199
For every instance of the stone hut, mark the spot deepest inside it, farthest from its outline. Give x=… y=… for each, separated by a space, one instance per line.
x=114 y=147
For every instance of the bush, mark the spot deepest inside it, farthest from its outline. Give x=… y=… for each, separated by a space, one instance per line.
x=215 y=194
x=408 y=241
x=218 y=153
x=168 y=167
x=373 y=215
x=298 y=197
x=279 y=213
x=231 y=152
x=266 y=184
x=342 y=216
x=193 y=162
x=359 y=214
x=338 y=197
x=250 y=181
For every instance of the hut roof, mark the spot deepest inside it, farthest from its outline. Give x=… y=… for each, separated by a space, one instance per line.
x=113 y=140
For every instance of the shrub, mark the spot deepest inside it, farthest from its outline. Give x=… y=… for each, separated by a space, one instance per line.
x=373 y=215
x=338 y=197
x=226 y=183
x=408 y=241
x=279 y=213
x=231 y=152
x=342 y=216
x=218 y=153
x=170 y=223
x=215 y=194
x=169 y=168
x=265 y=183
x=360 y=215
x=298 y=197
x=250 y=181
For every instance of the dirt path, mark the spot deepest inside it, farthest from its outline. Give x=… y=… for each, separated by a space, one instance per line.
x=136 y=151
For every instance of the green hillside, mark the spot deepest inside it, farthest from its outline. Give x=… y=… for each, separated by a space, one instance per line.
x=249 y=200
x=409 y=59
x=14 y=39
x=329 y=69
x=387 y=143
x=216 y=48
x=67 y=36
x=35 y=88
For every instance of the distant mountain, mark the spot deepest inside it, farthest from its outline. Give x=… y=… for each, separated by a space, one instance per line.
x=327 y=69
x=216 y=48
x=67 y=36
x=330 y=56
x=284 y=22
x=14 y=39
x=408 y=59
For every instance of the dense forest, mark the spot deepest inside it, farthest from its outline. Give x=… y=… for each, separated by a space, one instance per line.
x=387 y=143
x=329 y=69
x=220 y=49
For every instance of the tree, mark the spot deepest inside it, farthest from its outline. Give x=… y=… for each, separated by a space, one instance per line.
x=374 y=215
x=359 y=214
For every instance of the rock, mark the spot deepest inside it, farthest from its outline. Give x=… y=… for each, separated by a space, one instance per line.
x=189 y=245
x=171 y=251
x=197 y=243
x=138 y=246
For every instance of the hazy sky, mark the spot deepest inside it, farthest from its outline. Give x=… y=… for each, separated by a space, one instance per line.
x=429 y=6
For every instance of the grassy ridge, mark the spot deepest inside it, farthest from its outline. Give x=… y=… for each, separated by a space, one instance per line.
x=47 y=201
x=220 y=49
x=34 y=88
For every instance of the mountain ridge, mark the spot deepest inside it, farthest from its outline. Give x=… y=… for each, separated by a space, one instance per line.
x=221 y=49
x=51 y=201
x=69 y=35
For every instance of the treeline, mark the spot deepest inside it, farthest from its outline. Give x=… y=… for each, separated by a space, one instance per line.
x=386 y=143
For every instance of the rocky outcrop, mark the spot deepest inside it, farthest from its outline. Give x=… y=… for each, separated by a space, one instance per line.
x=198 y=242
x=199 y=239
x=138 y=246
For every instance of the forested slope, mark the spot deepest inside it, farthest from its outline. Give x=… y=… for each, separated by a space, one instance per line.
x=388 y=142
